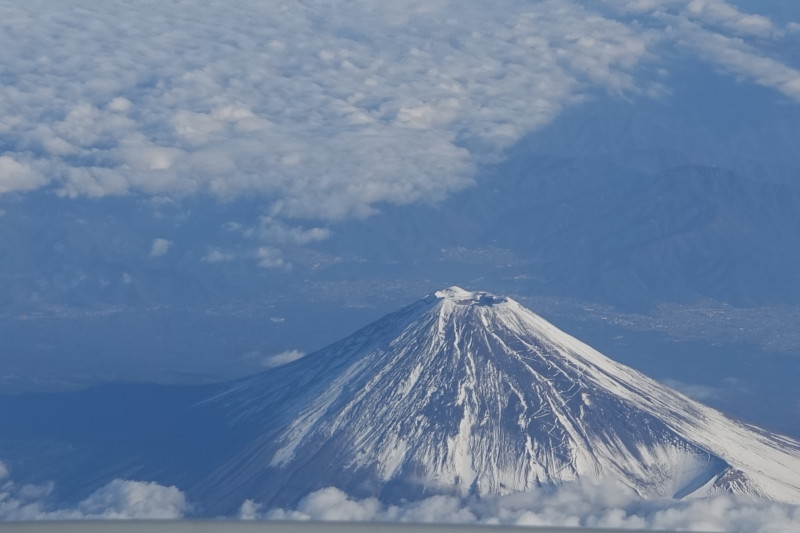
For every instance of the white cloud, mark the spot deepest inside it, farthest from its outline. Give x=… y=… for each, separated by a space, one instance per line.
x=134 y=499
x=271 y=258
x=120 y=104
x=272 y=230
x=720 y=12
x=160 y=247
x=693 y=390
x=282 y=358
x=218 y=256
x=706 y=12
x=119 y=499
x=597 y=505
x=737 y=57
x=718 y=32
x=17 y=176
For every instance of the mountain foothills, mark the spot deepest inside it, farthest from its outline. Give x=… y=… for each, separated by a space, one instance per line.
x=461 y=393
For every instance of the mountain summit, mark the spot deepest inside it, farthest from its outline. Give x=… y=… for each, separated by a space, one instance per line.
x=471 y=393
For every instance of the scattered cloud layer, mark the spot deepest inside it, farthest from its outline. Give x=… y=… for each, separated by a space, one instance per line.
x=119 y=499
x=726 y=37
x=579 y=504
x=602 y=505
x=717 y=13
x=326 y=109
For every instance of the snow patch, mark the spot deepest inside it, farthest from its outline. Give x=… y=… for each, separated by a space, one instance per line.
x=460 y=296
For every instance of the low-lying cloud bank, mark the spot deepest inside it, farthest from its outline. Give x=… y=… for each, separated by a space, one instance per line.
x=603 y=505
x=119 y=499
x=579 y=504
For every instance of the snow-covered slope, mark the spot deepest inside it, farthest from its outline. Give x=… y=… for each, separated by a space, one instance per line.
x=468 y=392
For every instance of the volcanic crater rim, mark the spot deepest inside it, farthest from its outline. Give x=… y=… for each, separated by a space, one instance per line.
x=459 y=296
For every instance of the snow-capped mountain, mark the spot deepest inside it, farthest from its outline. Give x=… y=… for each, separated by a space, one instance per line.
x=470 y=393
x=461 y=393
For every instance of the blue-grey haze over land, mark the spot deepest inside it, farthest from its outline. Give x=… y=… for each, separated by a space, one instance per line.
x=195 y=191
